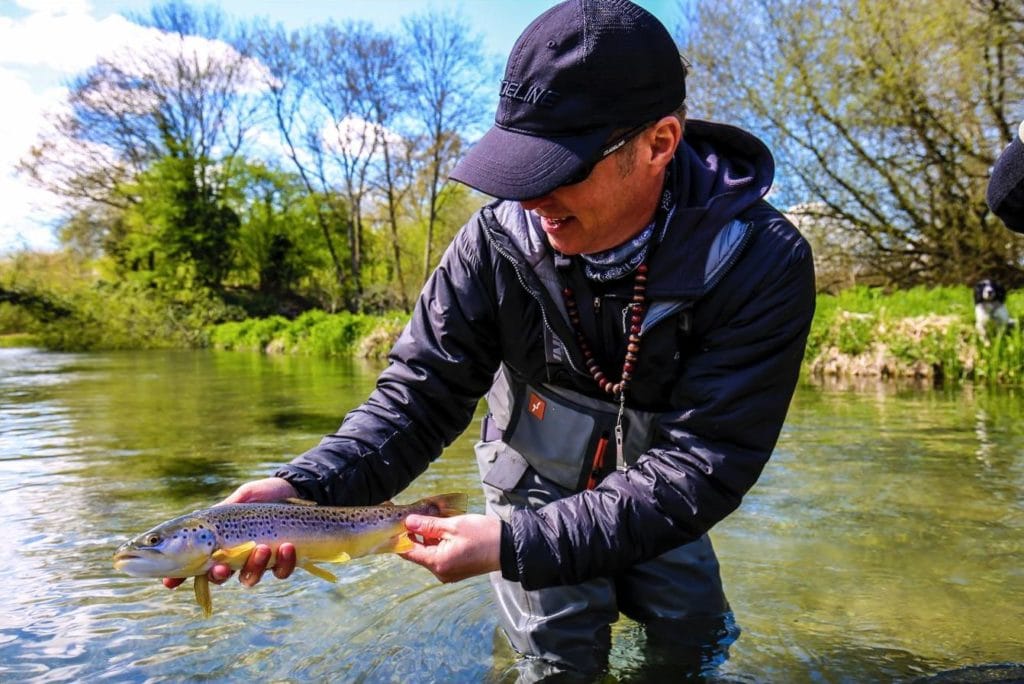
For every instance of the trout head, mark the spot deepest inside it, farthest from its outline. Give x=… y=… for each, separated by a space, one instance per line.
x=178 y=548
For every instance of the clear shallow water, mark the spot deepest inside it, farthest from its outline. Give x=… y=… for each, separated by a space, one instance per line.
x=884 y=541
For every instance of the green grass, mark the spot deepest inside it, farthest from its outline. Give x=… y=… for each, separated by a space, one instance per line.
x=922 y=332
x=314 y=332
x=13 y=340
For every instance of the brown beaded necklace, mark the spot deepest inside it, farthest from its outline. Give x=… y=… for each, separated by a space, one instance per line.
x=636 y=319
x=639 y=310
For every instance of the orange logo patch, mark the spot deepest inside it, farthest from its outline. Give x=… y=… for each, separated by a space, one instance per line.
x=537 y=406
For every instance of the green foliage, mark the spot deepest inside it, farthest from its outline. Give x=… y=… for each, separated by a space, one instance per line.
x=252 y=334
x=15 y=319
x=15 y=340
x=130 y=315
x=314 y=332
x=1002 y=359
x=180 y=230
x=920 y=332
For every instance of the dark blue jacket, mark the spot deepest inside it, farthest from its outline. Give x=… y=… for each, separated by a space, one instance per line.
x=736 y=266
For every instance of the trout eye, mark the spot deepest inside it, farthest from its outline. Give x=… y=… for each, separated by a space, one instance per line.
x=153 y=540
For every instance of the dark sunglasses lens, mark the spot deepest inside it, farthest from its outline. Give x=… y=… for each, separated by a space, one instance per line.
x=581 y=175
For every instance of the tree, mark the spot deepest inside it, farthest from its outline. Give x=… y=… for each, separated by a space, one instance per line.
x=332 y=86
x=886 y=117
x=278 y=248
x=179 y=109
x=446 y=74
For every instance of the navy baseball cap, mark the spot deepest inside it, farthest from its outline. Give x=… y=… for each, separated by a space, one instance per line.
x=580 y=71
x=1005 y=193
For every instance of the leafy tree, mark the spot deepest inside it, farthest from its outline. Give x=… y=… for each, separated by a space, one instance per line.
x=177 y=111
x=885 y=118
x=279 y=252
x=180 y=226
x=330 y=85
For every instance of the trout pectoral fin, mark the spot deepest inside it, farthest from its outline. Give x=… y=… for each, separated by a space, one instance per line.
x=202 y=590
x=314 y=569
x=234 y=555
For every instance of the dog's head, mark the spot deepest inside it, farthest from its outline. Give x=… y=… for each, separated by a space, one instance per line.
x=988 y=290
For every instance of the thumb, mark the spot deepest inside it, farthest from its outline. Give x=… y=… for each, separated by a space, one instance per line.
x=428 y=527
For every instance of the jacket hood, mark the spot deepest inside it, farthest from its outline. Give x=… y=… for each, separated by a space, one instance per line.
x=722 y=171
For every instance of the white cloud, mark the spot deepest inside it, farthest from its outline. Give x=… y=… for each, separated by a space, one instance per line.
x=54 y=41
x=38 y=51
x=62 y=37
x=355 y=137
x=27 y=211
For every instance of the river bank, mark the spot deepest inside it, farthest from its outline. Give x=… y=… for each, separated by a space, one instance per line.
x=925 y=334
x=922 y=334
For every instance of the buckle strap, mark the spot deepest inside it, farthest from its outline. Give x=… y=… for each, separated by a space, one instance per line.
x=489 y=430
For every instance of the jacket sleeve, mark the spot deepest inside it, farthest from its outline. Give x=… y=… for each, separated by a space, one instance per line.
x=441 y=365
x=735 y=391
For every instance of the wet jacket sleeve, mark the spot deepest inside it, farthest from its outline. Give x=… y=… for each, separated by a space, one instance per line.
x=440 y=367
x=735 y=391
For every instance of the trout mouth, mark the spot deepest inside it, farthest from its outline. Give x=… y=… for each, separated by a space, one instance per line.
x=140 y=563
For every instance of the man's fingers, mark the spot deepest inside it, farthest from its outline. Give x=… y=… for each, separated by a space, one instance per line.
x=253 y=569
x=285 y=563
x=463 y=545
x=428 y=527
x=255 y=566
x=220 y=573
x=267 y=489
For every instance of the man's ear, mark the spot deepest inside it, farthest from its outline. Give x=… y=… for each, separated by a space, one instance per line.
x=664 y=138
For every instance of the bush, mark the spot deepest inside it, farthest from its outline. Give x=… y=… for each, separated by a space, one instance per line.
x=131 y=315
x=314 y=332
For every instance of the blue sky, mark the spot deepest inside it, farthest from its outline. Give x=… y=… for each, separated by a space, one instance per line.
x=43 y=43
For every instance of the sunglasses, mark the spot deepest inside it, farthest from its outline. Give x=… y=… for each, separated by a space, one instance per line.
x=584 y=171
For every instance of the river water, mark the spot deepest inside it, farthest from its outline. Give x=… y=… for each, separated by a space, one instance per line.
x=884 y=542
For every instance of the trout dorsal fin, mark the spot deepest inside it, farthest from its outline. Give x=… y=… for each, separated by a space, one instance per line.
x=202 y=591
x=296 y=501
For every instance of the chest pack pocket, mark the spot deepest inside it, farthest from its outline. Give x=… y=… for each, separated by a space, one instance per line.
x=564 y=441
x=565 y=436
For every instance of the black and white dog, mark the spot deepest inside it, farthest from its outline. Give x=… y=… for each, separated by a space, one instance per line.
x=990 y=314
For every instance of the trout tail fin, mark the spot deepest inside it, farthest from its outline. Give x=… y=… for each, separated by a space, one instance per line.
x=446 y=505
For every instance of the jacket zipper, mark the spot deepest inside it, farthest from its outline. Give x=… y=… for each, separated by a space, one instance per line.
x=540 y=303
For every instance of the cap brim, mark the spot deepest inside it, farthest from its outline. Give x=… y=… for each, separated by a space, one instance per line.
x=516 y=166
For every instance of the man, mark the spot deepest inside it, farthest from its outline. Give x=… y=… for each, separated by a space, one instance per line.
x=636 y=315
x=1006 y=186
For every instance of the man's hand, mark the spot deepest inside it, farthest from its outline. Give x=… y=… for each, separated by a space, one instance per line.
x=455 y=548
x=267 y=489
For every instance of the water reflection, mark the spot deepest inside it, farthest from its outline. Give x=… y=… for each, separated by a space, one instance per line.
x=883 y=542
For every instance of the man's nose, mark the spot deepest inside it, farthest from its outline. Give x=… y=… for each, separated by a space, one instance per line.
x=533 y=203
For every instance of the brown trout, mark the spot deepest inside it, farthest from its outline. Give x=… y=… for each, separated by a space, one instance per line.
x=190 y=545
